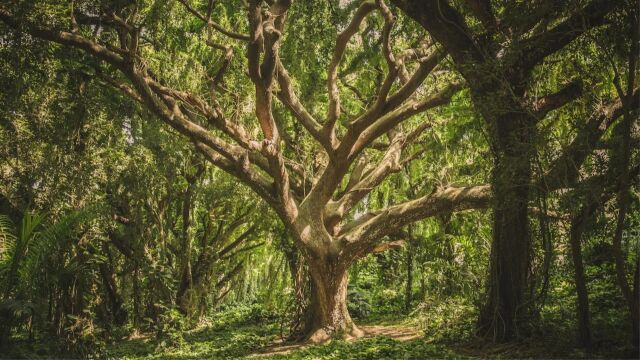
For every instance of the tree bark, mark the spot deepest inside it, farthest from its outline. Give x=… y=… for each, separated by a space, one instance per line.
x=635 y=310
x=582 y=306
x=186 y=280
x=507 y=309
x=116 y=303
x=328 y=315
x=300 y=282
x=136 y=298
x=408 y=293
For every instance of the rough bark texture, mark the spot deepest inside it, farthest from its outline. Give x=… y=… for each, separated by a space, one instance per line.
x=300 y=280
x=506 y=307
x=500 y=97
x=328 y=314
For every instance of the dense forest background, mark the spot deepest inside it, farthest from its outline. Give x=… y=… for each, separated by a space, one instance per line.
x=354 y=179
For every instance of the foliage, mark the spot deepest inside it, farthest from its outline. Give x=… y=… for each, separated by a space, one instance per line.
x=120 y=239
x=448 y=319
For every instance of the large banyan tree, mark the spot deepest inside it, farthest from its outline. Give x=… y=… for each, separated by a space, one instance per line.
x=220 y=73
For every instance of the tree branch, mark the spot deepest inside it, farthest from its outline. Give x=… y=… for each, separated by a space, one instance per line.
x=332 y=74
x=446 y=25
x=207 y=20
x=362 y=233
x=537 y=48
x=543 y=105
x=564 y=170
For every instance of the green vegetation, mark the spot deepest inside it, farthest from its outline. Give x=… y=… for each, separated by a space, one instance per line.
x=340 y=179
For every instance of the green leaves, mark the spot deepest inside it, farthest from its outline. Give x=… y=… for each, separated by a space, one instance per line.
x=17 y=249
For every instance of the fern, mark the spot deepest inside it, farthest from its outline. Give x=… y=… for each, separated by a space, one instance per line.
x=52 y=244
x=7 y=239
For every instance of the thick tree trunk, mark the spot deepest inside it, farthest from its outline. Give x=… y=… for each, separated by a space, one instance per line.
x=328 y=315
x=508 y=306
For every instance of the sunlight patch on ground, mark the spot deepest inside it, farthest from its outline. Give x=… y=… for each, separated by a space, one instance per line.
x=398 y=333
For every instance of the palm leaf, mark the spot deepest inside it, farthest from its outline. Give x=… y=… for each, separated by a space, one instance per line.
x=7 y=238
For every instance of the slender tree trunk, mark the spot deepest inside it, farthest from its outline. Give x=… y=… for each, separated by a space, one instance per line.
x=328 y=314
x=448 y=253
x=408 y=293
x=299 y=279
x=186 y=281
x=136 y=298
x=545 y=235
x=5 y=330
x=582 y=308
x=621 y=158
x=423 y=281
x=116 y=303
x=635 y=310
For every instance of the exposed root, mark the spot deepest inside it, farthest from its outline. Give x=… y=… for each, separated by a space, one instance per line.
x=321 y=336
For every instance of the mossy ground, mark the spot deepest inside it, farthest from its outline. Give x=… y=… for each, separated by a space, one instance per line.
x=251 y=332
x=253 y=341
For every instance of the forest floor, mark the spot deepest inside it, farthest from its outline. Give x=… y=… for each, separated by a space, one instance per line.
x=401 y=333
x=390 y=339
x=250 y=333
x=382 y=340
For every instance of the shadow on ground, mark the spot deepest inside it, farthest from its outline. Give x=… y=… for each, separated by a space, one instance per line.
x=262 y=342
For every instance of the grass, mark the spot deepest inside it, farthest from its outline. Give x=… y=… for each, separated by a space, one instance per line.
x=373 y=348
x=251 y=332
x=208 y=342
x=254 y=340
x=246 y=341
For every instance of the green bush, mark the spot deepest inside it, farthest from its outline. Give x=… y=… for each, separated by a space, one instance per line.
x=359 y=302
x=448 y=319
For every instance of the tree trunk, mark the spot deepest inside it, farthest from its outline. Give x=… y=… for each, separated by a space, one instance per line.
x=136 y=298
x=448 y=253
x=408 y=293
x=507 y=306
x=635 y=310
x=116 y=303
x=186 y=280
x=6 y=317
x=299 y=280
x=582 y=307
x=328 y=315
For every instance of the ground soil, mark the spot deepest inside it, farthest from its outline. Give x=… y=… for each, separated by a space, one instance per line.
x=396 y=332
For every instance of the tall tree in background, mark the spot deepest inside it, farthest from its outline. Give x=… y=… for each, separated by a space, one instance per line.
x=498 y=53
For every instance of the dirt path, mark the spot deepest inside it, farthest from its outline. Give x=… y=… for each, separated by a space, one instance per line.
x=396 y=332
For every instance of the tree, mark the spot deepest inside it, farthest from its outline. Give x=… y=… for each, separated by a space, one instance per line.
x=316 y=211
x=498 y=56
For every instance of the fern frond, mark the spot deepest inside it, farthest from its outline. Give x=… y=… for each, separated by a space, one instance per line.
x=7 y=238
